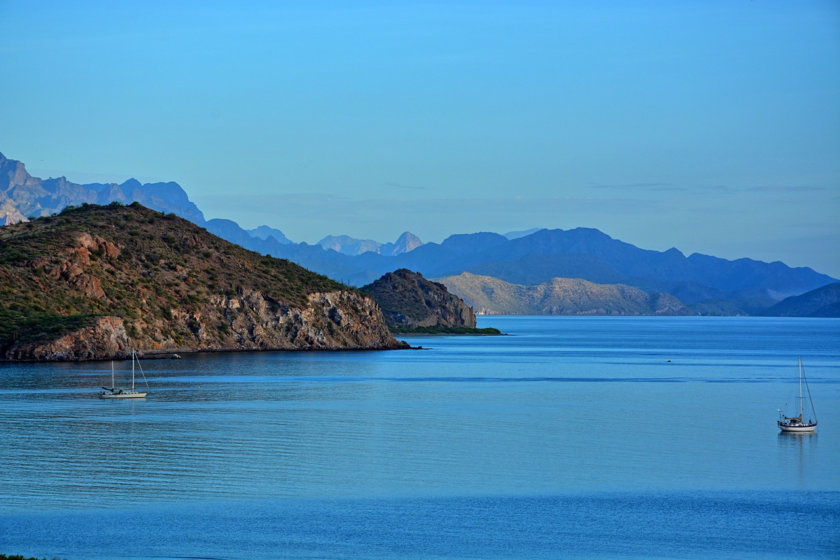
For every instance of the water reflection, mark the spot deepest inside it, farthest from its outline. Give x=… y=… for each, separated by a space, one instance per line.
x=797 y=453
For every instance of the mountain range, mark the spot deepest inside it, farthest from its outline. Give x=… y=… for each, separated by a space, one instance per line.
x=704 y=283
x=744 y=286
x=23 y=196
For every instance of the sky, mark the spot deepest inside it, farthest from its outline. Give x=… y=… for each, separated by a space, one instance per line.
x=712 y=127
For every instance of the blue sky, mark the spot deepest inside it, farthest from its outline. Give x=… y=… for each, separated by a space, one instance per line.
x=711 y=126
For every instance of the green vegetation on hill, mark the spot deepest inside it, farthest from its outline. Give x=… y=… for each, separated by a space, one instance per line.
x=59 y=273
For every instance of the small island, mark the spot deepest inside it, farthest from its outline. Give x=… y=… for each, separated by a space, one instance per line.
x=412 y=304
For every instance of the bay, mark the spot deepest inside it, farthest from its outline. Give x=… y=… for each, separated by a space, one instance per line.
x=588 y=437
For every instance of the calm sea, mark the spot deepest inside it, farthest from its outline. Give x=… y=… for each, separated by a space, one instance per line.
x=567 y=438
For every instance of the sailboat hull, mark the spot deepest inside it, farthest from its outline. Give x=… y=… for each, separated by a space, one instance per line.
x=797 y=428
x=123 y=395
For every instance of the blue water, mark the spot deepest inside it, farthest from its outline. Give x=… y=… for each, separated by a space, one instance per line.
x=568 y=438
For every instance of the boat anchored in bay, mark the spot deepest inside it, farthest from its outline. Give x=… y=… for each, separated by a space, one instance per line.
x=113 y=392
x=796 y=424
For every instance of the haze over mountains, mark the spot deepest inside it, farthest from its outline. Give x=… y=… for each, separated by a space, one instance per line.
x=705 y=284
x=349 y=246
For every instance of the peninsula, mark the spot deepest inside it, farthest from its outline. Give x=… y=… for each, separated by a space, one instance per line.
x=96 y=281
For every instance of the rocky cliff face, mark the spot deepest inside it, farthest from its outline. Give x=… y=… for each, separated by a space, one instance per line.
x=333 y=320
x=410 y=301
x=96 y=282
x=105 y=338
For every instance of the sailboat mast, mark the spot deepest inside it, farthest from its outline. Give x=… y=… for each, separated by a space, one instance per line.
x=132 y=379
x=808 y=389
x=800 y=387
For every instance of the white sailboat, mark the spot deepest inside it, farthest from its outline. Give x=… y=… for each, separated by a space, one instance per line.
x=113 y=392
x=796 y=424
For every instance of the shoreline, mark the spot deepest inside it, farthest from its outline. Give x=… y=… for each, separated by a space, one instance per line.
x=176 y=354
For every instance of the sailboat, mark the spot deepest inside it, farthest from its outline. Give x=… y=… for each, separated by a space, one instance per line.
x=113 y=392
x=796 y=424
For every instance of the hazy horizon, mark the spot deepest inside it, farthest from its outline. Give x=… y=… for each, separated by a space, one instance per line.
x=712 y=128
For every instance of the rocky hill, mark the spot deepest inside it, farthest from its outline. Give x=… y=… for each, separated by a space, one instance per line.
x=95 y=281
x=561 y=296
x=411 y=302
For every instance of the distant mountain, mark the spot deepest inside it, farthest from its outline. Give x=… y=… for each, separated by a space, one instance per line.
x=738 y=287
x=822 y=302
x=10 y=214
x=592 y=255
x=409 y=301
x=523 y=233
x=405 y=243
x=23 y=196
x=597 y=257
x=265 y=232
x=347 y=245
x=560 y=296
x=230 y=231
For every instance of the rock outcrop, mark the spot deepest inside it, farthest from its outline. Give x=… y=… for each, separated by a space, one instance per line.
x=334 y=320
x=410 y=301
